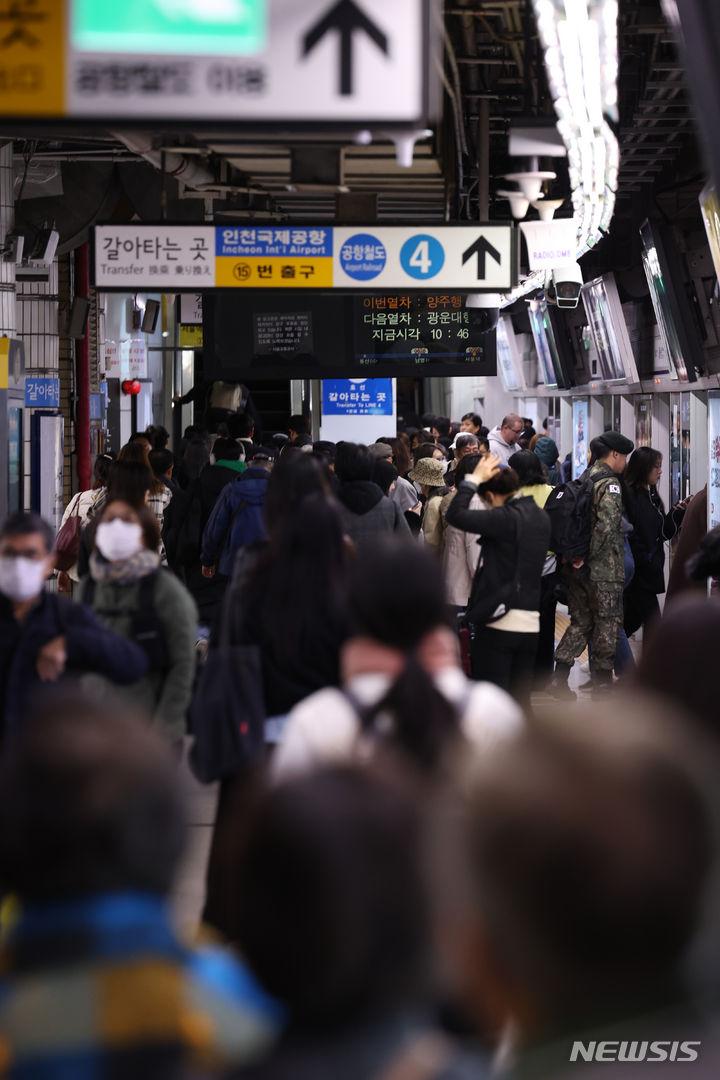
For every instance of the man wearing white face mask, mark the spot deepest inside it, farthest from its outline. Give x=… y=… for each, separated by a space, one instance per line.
x=44 y=636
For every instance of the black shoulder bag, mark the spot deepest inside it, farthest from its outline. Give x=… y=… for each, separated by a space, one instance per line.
x=227 y=714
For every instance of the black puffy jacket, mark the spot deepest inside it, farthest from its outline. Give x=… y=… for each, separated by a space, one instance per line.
x=515 y=539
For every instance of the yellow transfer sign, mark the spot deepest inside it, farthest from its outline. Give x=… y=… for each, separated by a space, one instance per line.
x=32 y=44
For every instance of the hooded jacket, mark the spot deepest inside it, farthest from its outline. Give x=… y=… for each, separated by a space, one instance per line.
x=546 y=449
x=366 y=512
x=498 y=446
x=190 y=510
x=236 y=521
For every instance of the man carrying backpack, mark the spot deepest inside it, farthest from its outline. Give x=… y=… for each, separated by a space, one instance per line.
x=237 y=519
x=595 y=582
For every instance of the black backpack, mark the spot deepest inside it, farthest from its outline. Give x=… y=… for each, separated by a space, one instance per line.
x=147 y=628
x=570 y=508
x=183 y=529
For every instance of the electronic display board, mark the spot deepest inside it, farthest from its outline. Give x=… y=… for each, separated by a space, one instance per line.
x=330 y=336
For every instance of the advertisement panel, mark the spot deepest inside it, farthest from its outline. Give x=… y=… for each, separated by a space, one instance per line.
x=580 y=437
x=714 y=462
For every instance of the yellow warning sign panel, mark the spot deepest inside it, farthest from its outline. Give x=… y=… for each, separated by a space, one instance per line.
x=251 y=272
x=32 y=64
x=4 y=367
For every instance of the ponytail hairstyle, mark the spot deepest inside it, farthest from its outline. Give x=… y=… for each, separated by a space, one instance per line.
x=396 y=596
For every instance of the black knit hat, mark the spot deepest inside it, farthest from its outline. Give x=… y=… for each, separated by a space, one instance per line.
x=615 y=441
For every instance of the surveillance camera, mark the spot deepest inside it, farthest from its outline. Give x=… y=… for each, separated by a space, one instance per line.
x=567 y=283
x=484 y=311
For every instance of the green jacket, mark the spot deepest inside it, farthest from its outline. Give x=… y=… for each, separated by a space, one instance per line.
x=163 y=695
x=605 y=559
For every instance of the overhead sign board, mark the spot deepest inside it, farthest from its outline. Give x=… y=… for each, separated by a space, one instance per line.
x=249 y=61
x=464 y=258
x=334 y=335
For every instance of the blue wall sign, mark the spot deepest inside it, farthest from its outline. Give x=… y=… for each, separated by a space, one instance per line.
x=357 y=397
x=42 y=393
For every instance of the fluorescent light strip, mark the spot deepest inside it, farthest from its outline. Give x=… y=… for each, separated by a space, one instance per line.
x=579 y=40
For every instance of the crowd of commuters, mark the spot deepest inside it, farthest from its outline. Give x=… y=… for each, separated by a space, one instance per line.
x=421 y=866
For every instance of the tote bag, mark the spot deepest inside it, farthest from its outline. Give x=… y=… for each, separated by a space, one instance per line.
x=68 y=539
x=227 y=714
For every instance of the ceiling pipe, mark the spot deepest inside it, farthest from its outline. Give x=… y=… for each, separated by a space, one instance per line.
x=187 y=170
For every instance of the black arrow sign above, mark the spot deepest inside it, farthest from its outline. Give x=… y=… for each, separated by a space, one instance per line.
x=482 y=248
x=345 y=17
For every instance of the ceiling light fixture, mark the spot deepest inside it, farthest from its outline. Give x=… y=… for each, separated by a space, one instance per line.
x=579 y=40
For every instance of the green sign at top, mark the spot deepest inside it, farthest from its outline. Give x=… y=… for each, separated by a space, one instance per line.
x=187 y=27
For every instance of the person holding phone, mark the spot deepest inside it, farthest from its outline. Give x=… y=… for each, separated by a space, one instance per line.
x=652 y=528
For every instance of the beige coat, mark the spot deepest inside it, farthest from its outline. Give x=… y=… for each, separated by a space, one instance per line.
x=461 y=554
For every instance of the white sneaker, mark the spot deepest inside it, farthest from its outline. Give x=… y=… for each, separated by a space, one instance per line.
x=585 y=667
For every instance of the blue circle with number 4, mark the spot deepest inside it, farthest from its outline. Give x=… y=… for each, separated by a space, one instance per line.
x=422 y=256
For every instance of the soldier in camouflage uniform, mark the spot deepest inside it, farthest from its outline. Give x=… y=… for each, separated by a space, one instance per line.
x=595 y=588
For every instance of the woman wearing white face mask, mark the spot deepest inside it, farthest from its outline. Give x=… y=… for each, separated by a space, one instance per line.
x=135 y=597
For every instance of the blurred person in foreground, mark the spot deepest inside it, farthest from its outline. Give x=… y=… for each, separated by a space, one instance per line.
x=287 y=600
x=679 y=658
x=692 y=531
x=94 y=981
x=45 y=637
x=587 y=851
x=402 y=687
x=332 y=915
